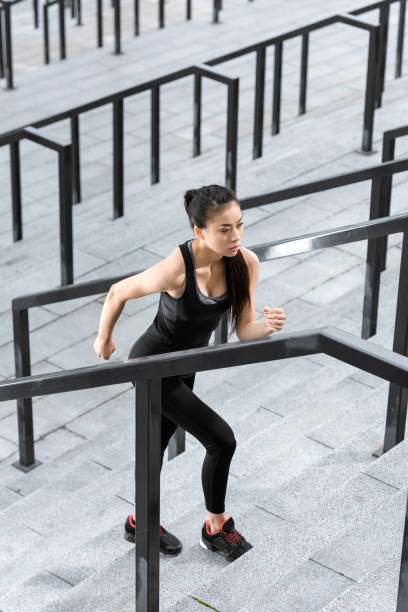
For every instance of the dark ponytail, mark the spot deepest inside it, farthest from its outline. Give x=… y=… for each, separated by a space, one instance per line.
x=200 y=204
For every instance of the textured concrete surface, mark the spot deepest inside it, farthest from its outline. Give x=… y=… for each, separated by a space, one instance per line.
x=304 y=487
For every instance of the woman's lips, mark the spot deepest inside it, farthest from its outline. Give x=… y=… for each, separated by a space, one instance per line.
x=235 y=248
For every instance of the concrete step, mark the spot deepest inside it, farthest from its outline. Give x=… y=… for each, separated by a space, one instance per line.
x=280 y=557
x=378 y=588
x=55 y=518
x=187 y=562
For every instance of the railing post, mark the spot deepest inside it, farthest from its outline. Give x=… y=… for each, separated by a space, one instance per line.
x=116 y=7
x=259 y=102
x=137 y=17
x=232 y=135
x=35 y=11
x=155 y=135
x=46 y=34
x=400 y=43
x=384 y=21
x=161 y=13
x=221 y=331
x=7 y=45
x=398 y=396
x=79 y=12
x=118 y=167
x=188 y=10
x=76 y=166
x=402 y=598
x=371 y=89
x=62 y=28
x=197 y=115
x=177 y=443
x=303 y=73
x=216 y=11
x=147 y=493
x=388 y=154
x=16 y=190
x=65 y=214
x=27 y=459
x=373 y=268
x=1 y=44
x=99 y=22
x=277 y=85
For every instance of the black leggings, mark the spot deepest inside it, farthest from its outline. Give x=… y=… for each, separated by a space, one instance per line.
x=180 y=406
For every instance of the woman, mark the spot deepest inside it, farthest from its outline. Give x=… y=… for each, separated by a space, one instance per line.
x=198 y=281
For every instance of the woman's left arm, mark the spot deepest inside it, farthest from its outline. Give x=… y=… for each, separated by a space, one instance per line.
x=248 y=327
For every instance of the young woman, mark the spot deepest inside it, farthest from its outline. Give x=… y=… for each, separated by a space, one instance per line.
x=198 y=281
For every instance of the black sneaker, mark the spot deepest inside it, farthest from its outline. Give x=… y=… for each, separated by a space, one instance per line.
x=227 y=541
x=169 y=544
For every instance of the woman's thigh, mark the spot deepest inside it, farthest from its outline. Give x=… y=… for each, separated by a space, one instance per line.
x=184 y=407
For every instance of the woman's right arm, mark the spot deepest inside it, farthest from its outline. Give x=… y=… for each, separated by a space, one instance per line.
x=165 y=275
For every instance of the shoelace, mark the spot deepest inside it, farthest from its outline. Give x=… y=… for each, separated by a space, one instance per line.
x=234 y=536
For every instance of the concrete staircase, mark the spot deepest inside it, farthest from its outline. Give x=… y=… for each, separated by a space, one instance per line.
x=324 y=516
x=308 y=495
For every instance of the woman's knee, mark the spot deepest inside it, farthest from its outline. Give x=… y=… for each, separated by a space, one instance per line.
x=231 y=443
x=225 y=443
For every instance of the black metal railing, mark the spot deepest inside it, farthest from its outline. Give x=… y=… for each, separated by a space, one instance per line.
x=117 y=101
x=377 y=174
x=388 y=154
x=6 y=59
x=199 y=71
x=61 y=21
x=372 y=78
x=376 y=248
x=6 y=41
x=370 y=231
x=148 y=372
x=65 y=156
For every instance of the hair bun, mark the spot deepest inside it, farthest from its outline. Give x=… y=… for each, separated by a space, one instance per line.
x=188 y=196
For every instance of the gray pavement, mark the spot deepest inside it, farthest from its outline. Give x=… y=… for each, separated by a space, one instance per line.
x=304 y=486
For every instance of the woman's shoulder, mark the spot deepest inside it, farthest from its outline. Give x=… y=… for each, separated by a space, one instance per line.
x=250 y=257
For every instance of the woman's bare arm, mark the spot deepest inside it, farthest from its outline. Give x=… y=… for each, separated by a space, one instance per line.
x=166 y=274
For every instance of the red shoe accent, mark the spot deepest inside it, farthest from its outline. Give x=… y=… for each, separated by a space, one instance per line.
x=132 y=524
x=212 y=532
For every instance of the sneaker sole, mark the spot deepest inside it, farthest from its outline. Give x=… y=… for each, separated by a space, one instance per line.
x=208 y=546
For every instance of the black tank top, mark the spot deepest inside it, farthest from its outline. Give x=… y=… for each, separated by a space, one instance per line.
x=188 y=320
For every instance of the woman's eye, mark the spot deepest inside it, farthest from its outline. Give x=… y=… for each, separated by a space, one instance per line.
x=224 y=231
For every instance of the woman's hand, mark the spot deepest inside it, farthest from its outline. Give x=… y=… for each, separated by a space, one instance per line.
x=104 y=348
x=274 y=318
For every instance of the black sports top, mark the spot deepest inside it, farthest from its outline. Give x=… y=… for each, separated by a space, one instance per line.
x=188 y=320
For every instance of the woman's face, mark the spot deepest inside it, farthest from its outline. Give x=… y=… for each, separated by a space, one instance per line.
x=224 y=230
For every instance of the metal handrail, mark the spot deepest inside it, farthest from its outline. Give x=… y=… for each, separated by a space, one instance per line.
x=76 y=11
x=148 y=372
x=371 y=231
x=377 y=174
x=375 y=253
x=61 y=21
x=388 y=154
x=199 y=72
x=65 y=155
x=6 y=46
x=373 y=64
